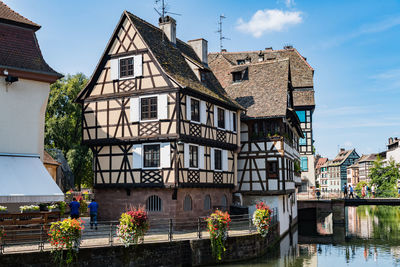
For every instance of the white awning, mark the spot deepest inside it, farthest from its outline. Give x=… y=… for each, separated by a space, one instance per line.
x=25 y=179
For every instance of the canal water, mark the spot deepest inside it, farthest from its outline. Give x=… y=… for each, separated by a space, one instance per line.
x=371 y=237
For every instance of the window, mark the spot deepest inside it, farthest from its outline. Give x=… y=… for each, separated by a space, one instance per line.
x=234 y=121
x=195 y=109
x=240 y=61
x=304 y=164
x=237 y=76
x=302 y=115
x=126 y=67
x=302 y=142
x=151 y=156
x=272 y=168
x=154 y=203
x=218 y=159
x=207 y=202
x=148 y=108
x=193 y=156
x=224 y=201
x=187 y=203
x=221 y=118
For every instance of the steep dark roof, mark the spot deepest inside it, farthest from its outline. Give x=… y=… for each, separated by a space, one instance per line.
x=9 y=16
x=301 y=72
x=173 y=62
x=341 y=157
x=264 y=93
x=321 y=162
x=19 y=49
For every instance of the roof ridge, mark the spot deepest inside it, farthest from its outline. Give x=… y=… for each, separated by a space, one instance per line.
x=28 y=21
x=262 y=62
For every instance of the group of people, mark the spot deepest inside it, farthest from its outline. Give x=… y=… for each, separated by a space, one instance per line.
x=93 y=207
x=348 y=191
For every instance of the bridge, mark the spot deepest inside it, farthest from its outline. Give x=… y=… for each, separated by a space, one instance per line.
x=309 y=209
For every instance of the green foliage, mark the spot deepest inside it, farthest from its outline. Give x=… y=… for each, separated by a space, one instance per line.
x=385 y=177
x=297 y=168
x=359 y=187
x=63 y=126
x=83 y=206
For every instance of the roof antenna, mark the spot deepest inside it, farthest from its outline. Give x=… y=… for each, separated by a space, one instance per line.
x=163 y=9
x=221 y=37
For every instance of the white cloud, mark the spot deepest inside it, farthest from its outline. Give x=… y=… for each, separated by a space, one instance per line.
x=289 y=3
x=269 y=20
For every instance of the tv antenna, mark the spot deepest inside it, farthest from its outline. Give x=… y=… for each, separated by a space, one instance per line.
x=163 y=9
x=221 y=36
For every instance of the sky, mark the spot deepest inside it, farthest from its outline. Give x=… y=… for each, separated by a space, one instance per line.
x=353 y=47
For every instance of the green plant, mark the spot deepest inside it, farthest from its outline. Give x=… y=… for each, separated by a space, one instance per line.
x=65 y=234
x=29 y=208
x=385 y=177
x=217 y=226
x=62 y=205
x=84 y=206
x=133 y=225
x=297 y=168
x=3 y=208
x=262 y=218
x=52 y=207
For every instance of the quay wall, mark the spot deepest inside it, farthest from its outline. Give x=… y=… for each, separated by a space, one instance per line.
x=175 y=253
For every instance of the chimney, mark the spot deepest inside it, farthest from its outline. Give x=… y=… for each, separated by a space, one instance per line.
x=390 y=140
x=168 y=25
x=342 y=150
x=268 y=48
x=200 y=47
x=223 y=50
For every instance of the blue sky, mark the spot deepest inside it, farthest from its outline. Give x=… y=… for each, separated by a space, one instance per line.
x=352 y=45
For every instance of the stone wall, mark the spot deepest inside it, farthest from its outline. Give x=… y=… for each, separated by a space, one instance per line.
x=177 y=253
x=112 y=202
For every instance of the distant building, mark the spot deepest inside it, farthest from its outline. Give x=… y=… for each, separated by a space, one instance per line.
x=333 y=177
x=24 y=90
x=337 y=168
x=319 y=171
x=393 y=150
x=365 y=163
x=353 y=174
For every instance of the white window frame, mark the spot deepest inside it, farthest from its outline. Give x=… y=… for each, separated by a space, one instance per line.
x=216 y=107
x=140 y=108
x=213 y=158
x=189 y=109
x=150 y=168
x=198 y=157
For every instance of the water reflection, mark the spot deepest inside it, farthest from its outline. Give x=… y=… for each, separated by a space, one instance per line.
x=371 y=237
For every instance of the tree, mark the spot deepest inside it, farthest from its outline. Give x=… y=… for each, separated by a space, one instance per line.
x=385 y=177
x=63 y=126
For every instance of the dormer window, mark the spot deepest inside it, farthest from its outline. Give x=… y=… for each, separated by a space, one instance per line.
x=240 y=61
x=247 y=60
x=237 y=76
x=260 y=58
x=126 y=67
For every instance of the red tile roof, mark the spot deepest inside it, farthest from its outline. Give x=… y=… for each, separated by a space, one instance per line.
x=8 y=15
x=19 y=48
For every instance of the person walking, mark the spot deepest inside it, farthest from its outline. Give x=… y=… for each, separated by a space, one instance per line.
x=363 y=191
x=345 y=190
x=367 y=191
x=373 y=191
x=351 y=192
x=93 y=207
x=74 y=207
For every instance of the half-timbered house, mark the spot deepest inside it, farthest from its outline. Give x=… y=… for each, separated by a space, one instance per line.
x=302 y=75
x=270 y=131
x=163 y=131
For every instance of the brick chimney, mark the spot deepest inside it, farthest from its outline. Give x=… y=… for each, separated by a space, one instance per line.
x=200 y=46
x=168 y=25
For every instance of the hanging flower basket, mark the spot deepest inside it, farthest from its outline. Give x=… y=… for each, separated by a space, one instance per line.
x=29 y=208
x=217 y=226
x=262 y=218
x=3 y=210
x=65 y=235
x=132 y=227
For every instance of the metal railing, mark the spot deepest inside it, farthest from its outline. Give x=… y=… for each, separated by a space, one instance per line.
x=30 y=238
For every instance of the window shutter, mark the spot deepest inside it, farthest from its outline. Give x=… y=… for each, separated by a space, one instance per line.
x=215 y=116
x=227 y=120
x=201 y=157
x=134 y=109
x=212 y=159
x=231 y=119
x=162 y=103
x=225 y=160
x=203 y=112
x=114 y=69
x=137 y=156
x=138 y=65
x=186 y=155
x=188 y=109
x=165 y=155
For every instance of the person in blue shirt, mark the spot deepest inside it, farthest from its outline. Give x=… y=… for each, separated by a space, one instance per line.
x=351 y=192
x=93 y=206
x=74 y=206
